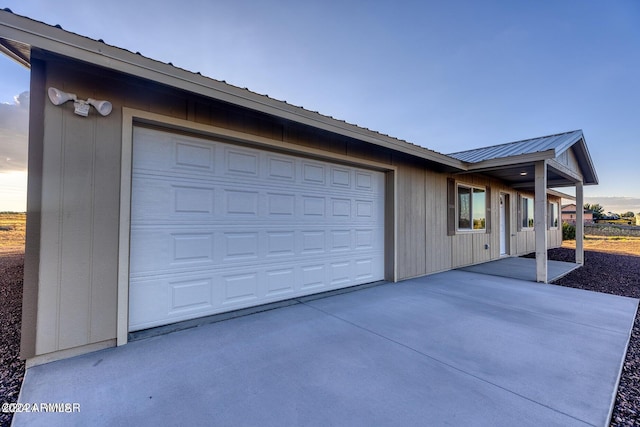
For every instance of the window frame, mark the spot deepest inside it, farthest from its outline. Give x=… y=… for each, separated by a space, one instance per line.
x=524 y=216
x=485 y=209
x=553 y=214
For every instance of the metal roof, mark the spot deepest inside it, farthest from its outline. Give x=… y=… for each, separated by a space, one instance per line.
x=558 y=143
x=514 y=162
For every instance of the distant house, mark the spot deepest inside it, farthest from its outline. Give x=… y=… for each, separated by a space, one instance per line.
x=179 y=197
x=569 y=214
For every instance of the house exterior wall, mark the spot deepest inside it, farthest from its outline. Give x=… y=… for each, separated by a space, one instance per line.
x=569 y=215
x=71 y=282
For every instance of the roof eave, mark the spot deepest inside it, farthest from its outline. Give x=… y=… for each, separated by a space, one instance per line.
x=510 y=161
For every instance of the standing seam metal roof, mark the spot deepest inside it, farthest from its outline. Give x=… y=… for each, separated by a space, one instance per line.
x=558 y=142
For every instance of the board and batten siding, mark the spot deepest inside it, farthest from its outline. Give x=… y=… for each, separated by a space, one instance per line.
x=71 y=301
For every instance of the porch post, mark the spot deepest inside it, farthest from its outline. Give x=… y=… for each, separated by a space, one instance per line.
x=579 y=224
x=540 y=220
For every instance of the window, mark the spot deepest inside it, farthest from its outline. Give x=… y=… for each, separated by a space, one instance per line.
x=527 y=212
x=553 y=215
x=471 y=208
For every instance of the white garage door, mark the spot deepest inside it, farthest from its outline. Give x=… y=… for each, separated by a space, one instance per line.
x=217 y=227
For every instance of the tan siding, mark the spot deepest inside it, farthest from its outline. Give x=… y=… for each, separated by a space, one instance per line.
x=572 y=162
x=438 y=244
x=104 y=221
x=34 y=206
x=462 y=250
x=77 y=236
x=411 y=220
x=50 y=234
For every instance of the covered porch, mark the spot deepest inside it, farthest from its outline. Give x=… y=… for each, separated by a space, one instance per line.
x=538 y=166
x=522 y=268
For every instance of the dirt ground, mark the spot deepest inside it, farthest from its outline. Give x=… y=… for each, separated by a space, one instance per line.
x=12 y=233
x=609 y=244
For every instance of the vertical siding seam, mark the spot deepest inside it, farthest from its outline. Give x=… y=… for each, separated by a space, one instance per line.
x=60 y=230
x=92 y=232
x=426 y=218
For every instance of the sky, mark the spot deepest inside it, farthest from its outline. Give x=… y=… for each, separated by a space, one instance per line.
x=447 y=75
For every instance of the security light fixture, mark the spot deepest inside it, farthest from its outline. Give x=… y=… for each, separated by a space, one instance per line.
x=523 y=173
x=81 y=108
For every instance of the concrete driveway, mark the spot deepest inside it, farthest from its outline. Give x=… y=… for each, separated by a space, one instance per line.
x=457 y=348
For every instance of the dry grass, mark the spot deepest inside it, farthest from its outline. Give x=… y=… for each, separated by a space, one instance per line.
x=621 y=245
x=12 y=233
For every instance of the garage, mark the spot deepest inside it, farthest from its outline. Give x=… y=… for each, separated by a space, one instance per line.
x=218 y=226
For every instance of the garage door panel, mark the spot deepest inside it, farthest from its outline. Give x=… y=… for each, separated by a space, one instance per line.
x=155 y=250
x=240 y=287
x=217 y=227
x=160 y=198
x=280 y=168
x=181 y=199
x=190 y=295
x=178 y=295
x=163 y=152
x=280 y=282
x=281 y=244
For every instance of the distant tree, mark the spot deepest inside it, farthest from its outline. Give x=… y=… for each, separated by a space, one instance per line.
x=628 y=215
x=597 y=209
x=568 y=231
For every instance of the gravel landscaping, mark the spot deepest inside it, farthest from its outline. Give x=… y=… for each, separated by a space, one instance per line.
x=11 y=367
x=619 y=275
x=603 y=272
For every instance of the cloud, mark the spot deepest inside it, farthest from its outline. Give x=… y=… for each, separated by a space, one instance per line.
x=14 y=134
x=616 y=204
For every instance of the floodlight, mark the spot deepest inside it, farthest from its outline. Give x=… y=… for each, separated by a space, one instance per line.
x=103 y=107
x=81 y=108
x=59 y=97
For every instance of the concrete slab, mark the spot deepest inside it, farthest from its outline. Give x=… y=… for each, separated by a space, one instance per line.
x=454 y=348
x=522 y=268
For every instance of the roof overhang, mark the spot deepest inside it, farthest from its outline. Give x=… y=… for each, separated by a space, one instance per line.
x=34 y=34
x=519 y=170
x=19 y=52
x=560 y=194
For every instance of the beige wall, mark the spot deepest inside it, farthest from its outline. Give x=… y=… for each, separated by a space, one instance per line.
x=71 y=282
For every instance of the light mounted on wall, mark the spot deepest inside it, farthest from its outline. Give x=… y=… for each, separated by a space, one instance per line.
x=58 y=97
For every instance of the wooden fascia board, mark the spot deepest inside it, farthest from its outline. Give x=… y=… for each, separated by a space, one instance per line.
x=6 y=50
x=564 y=171
x=64 y=43
x=505 y=162
x=586 y=163
x=560 y=194
x=550 y=184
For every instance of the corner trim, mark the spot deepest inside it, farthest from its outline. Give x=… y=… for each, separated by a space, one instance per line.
x=70 y=352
